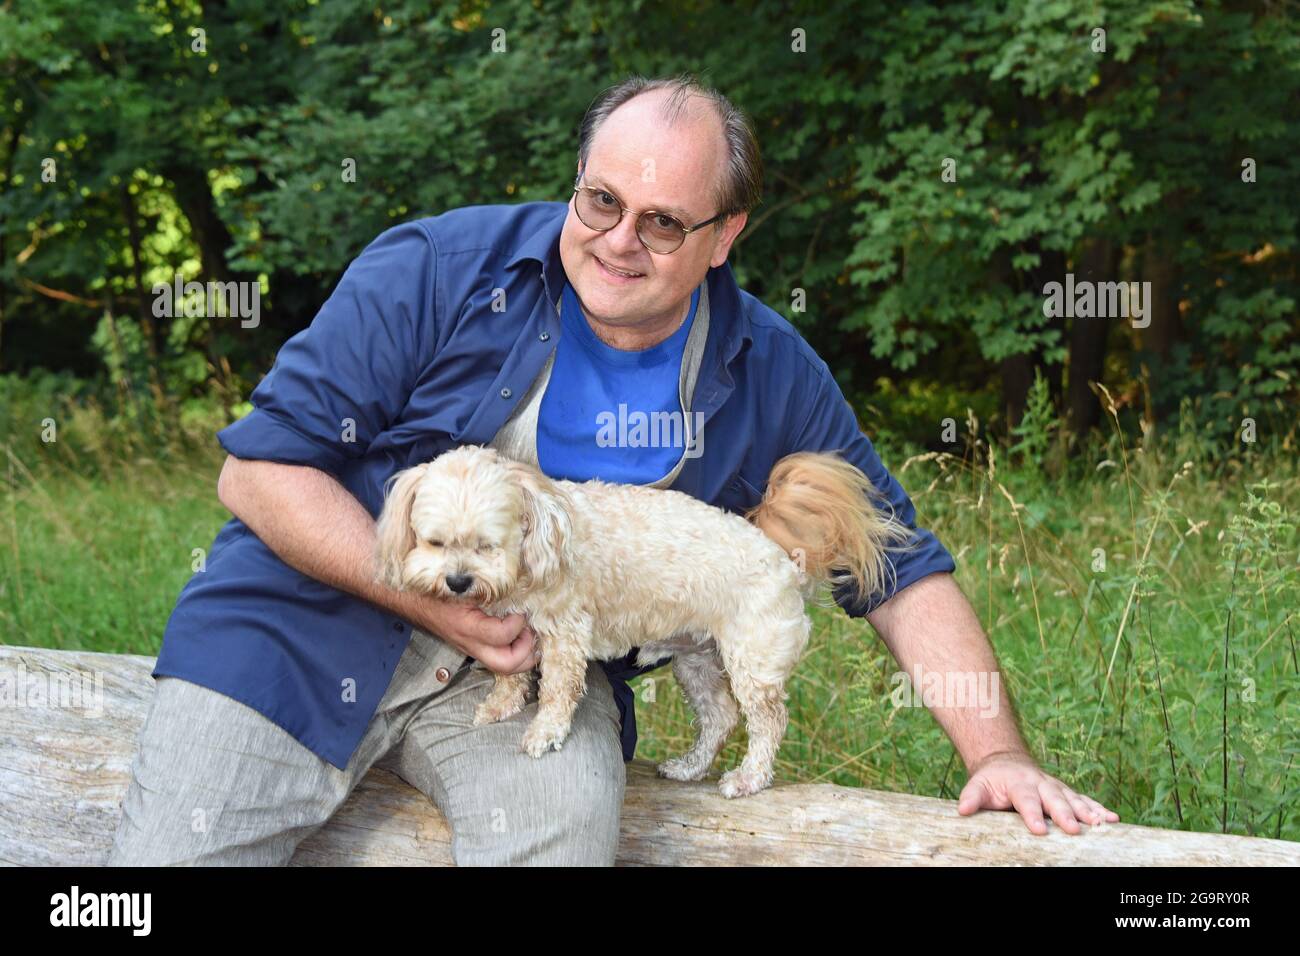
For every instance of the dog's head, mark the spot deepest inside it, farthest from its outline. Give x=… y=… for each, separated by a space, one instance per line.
x=472 y=526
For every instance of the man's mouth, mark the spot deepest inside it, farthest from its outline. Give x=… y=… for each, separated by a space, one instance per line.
x=618 y=275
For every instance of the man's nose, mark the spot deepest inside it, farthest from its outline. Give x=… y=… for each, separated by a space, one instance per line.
x=459 y=583
x=623 y=238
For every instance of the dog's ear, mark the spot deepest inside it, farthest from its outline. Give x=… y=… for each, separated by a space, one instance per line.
x=548 y=526
x=394 y=536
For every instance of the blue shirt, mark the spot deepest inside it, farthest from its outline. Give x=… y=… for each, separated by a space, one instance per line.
x=412 y=355
x=609 y=413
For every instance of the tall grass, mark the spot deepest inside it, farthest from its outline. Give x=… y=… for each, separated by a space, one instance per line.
x=101 y=510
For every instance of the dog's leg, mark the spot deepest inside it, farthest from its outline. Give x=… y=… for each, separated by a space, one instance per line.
x=704 y=682
x=508 y=695
x=765 y=720
x=564 y=681
x=758 y=672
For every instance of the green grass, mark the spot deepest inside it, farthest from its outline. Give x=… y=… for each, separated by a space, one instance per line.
x=96 y=562
x=1119 y=677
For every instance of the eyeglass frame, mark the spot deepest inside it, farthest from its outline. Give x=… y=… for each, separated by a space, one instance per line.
x=622 y=210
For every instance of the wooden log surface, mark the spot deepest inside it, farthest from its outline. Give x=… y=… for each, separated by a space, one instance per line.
x=65 y=764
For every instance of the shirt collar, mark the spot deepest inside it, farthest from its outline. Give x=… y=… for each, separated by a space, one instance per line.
x=727 y=311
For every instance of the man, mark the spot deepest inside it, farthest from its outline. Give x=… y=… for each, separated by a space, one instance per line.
x=286 y=672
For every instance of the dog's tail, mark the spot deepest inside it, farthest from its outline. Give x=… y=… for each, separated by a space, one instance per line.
x=831 y=520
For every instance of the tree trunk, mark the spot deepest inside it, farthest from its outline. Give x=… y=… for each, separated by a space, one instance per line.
x=1017 y=377
x=152 y=340
x=1052 y=268
x=1088 y=339
x=213 y=239
x=1165 y=329
x=1161 y=270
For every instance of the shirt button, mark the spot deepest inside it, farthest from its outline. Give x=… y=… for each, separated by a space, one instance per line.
x=442 y=674
x=399 y=626
x=545 y=336
x=505 y=393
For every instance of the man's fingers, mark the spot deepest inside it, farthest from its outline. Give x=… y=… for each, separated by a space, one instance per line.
x=1028 y=804
x=514 y=658
x=518 y=657
x=525 y=647
x=1089 y=810
x=1082 y=811
x=1058 y=806
x=1103 y=813
x=497 y=632
x=972 y=797
x=979 y=794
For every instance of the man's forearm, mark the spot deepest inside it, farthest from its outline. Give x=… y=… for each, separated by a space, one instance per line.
x=930 y=626
x=312 y=523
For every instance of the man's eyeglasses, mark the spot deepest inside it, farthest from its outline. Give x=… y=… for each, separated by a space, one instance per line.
x=659 y=232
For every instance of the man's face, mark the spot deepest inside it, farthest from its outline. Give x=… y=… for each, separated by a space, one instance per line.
x=645 y=164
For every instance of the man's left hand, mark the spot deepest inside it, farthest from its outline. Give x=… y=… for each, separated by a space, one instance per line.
x=1006 y=780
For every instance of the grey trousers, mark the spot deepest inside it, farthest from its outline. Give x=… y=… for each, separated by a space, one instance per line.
x=214 y=782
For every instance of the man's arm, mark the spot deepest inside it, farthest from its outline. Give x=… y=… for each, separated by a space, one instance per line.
x=313 y=524
x=930 y=626
x=908 y=624
x=350 y=374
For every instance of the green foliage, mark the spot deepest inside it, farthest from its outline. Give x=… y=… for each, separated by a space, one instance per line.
x=1034 y=431
x=228 y=162
x=52 y=421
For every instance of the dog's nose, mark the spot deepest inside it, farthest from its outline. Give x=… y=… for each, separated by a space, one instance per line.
x=459 y=583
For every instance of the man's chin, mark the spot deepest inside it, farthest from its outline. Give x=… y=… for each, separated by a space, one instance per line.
x=610 y=307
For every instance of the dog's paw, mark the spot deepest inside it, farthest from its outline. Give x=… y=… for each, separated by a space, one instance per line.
x=492 y=712
x=682 y=768
x=541 y=737
x=740 y=783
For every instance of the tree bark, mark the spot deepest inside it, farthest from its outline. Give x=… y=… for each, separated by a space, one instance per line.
x=210 y=234
x=1089 y=338
x=1161 y=269
x=1017 y=377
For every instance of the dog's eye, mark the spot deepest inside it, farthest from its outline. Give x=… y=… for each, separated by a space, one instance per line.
x=435 y=544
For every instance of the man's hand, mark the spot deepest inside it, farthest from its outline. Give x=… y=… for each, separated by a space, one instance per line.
x=504 y=645
x=1002 y=781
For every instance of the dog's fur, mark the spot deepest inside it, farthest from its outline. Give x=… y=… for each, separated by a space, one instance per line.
x=600 y=569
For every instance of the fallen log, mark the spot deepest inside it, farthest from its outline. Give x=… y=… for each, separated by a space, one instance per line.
x=69 y=721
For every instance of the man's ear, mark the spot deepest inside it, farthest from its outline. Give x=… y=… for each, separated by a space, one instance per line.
x=731 y=228
x=548 y=526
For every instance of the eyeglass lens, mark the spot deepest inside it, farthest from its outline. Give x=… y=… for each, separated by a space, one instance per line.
x=600 y=210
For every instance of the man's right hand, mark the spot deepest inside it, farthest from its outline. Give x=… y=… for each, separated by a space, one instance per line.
x=504 y=645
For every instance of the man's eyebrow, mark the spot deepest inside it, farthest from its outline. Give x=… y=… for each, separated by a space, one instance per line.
x=681 y=214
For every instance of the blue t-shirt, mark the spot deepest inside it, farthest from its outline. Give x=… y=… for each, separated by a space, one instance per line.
x=610 y=413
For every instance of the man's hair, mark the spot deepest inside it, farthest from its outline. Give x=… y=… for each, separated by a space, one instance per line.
x=741 y=185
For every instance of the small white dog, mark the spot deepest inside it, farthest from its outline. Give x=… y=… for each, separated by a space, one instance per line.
x=601 y=568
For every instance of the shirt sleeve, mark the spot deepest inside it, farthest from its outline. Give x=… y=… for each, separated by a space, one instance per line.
x=339 y=383
x=831 y=425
